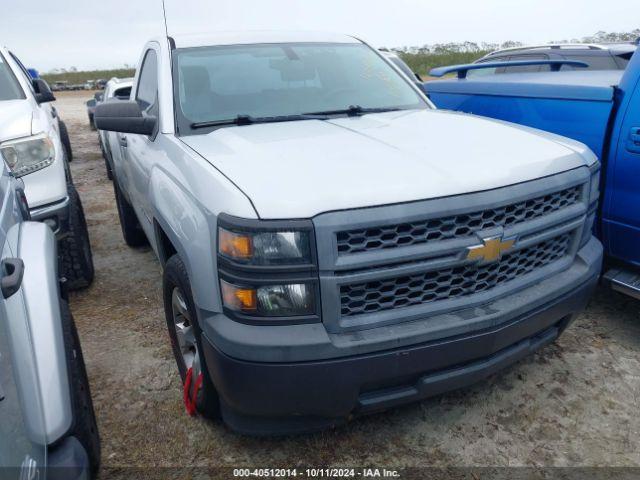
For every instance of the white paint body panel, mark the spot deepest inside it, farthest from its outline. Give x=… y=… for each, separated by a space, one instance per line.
x=302 y=169
x=15 y=119
x=22 y=118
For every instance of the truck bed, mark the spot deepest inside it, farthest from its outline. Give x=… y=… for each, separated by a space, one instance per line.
x=576 y=104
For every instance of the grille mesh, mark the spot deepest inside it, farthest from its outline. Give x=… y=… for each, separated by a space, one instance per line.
x=457 y=226
x=449 y=283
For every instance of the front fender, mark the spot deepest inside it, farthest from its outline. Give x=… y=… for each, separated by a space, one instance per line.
x=182 y=220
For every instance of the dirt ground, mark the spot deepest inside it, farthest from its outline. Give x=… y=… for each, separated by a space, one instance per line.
x=574 y=403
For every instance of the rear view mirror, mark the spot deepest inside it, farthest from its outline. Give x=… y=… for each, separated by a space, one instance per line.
x=124 y=117
x=43 y=92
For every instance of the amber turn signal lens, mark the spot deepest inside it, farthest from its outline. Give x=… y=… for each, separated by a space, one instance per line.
x=234 y=245
x=240 y=299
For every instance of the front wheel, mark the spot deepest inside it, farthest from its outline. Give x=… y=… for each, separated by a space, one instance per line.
x=199 y=393
x=76 y=259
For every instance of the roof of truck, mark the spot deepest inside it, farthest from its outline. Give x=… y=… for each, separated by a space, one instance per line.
x=587 y=85
x=251 y=37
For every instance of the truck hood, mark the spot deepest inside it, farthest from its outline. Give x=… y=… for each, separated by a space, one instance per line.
x=301 y=169
x=15 y=119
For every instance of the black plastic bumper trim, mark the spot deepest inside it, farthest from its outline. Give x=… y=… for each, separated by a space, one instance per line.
x=268 y=398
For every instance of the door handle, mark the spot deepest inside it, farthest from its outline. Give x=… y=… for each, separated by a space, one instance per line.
x=633 y=142
x=123 y=141
x=12 y=271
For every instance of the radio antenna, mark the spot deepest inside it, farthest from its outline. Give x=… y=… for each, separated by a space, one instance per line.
x=164 y=13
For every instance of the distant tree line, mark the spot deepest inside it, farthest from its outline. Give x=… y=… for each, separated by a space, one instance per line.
x=74 y=77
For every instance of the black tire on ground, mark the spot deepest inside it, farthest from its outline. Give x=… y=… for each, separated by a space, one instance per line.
x=175 y=275
x=64 y=138
x=76 y=259
x=85 y=427
x=131 y=230
x=107 y=165
x=107 y=161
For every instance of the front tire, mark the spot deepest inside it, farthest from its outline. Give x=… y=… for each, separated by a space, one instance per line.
x=107 y=166
x=76 y=259
x=186 y=335
x=66 y=142
x=131 y=230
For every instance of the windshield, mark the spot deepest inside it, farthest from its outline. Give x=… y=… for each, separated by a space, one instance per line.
x=9 y=86
x=215 y=84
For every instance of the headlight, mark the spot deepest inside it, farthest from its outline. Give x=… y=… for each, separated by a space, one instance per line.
x=29 y=155
x=265 y=247
x=268 y=270
x=287 y=300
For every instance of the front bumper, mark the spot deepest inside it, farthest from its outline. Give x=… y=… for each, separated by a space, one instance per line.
x=260 y=397
x=56 y=215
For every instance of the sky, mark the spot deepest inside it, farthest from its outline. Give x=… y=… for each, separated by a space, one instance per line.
x=48 y=34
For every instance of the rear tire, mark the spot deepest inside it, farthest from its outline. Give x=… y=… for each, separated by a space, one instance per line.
x=85 y=427
x=76 y=259
x=66 y=142
x=132 y=232
x=176 y=279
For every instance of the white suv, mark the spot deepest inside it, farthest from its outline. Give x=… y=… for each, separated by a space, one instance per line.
x=32 y=146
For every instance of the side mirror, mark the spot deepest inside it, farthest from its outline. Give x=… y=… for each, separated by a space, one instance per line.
x=124 y=117
x=43 y=92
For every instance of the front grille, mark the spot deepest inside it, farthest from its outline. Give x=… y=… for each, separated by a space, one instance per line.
x=434 y=286
x=456 y=226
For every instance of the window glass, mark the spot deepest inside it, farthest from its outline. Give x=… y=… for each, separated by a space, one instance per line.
x=528 y=68
x=122 y=93
x=9 y=87
x=596 y=62
x=398 y=62
x=147 y=92
x=220 y=83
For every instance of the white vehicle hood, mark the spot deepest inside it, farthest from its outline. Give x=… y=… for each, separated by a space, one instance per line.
x=301 y=169
x=15 y=119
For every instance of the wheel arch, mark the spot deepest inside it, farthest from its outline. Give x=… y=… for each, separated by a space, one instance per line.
x=180 y=227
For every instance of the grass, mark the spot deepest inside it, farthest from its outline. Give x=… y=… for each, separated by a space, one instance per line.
x=421 y=63
x=74 y=78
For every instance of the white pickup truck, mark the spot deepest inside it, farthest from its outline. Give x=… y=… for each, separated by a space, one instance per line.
x=333 y=245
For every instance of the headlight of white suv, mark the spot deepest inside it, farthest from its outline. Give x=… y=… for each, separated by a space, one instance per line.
x=28 y=155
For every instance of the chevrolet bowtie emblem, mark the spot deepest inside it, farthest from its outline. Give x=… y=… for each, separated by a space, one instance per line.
x=491 y=249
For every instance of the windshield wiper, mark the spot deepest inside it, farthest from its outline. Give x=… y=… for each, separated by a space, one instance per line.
x=352 y=111
x=249 y=120
x=356 y=111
